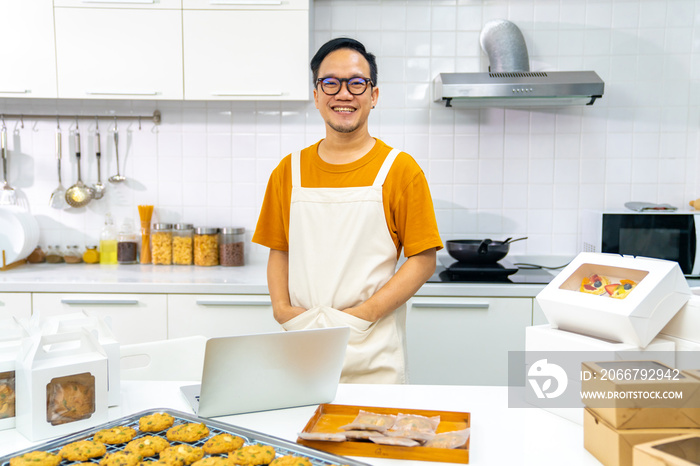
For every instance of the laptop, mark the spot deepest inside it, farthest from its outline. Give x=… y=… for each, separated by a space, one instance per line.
x=260 y=372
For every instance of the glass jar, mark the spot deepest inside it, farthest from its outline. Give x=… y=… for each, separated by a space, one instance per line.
x=232 y=247
x=108 y=241
x=54 y=255
x=183 y=236
x=127 y=243
x=72 y=255
x=162 y=244
x=206 y=246
x=91 y=255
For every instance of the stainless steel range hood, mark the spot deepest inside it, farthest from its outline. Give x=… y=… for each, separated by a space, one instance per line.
x=509 y=81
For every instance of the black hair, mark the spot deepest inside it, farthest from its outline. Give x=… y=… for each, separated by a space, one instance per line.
x=343 y=43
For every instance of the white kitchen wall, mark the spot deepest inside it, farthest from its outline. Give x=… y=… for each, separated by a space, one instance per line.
x=492 y=172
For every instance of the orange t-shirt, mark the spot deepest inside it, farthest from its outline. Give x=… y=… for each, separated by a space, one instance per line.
x=408 y=207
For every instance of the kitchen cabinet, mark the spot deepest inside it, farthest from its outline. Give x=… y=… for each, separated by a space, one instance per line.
x=464 y=340
x=233 y=51
x=219 y=315
x=18 y=305
x=134 y=318
x=28 y=56
x=116 y=51
x=538 y=317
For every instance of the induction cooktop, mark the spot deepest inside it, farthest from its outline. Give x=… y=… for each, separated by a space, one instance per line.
x=503 y=271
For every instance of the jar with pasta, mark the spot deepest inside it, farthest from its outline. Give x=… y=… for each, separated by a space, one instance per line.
x=183 y=237
x=231 y=247
x=206 y=246
x=162 y=244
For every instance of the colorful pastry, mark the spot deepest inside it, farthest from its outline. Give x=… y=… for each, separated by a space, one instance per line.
x=620 y=290
x=595 y=284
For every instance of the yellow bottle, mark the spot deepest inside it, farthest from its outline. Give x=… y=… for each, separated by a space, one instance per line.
x=91 y=256
x=108 y=242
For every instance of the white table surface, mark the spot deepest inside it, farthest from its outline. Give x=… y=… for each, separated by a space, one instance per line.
x=499 y=435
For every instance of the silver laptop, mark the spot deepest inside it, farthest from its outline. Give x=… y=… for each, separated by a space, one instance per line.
x=249 y=373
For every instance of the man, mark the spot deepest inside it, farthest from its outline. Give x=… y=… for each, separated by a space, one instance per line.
x=336 y=216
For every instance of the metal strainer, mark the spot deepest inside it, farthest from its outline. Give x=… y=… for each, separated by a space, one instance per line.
x=78 y=195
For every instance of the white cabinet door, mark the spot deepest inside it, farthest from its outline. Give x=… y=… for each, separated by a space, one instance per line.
x=27 y=54
x=246 y=54
x=464 y=341
x=119 y=53
x=134 y=318
x=245 y=4
x=538 y=317
x=219 y=315
x=18 y=305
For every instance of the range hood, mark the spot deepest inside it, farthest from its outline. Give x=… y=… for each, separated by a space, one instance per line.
x=509 y=81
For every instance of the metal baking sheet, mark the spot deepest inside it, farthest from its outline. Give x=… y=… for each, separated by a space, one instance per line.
x=281 y=446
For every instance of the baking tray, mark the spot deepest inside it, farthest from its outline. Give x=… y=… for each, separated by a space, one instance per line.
x=281 y=446
x=329 y=418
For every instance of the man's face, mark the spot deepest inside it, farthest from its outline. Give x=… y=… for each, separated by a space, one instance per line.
x=345 y=112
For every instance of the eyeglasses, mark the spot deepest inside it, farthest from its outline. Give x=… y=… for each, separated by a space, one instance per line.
x=356 y=86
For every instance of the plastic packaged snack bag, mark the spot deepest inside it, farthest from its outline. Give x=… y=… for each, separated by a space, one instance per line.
x=366 y=420
x=415 y=423
x=362 y=434
x=397 y=441
x=452 y=439
x=70 y=398
x=324 y=436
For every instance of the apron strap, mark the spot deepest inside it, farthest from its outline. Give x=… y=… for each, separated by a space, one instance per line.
x=381 y=176
x=296 y=169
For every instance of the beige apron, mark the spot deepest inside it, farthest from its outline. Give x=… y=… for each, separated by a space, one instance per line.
x=340 y=254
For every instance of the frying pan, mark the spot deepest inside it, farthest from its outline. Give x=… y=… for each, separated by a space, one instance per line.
x=479 y=251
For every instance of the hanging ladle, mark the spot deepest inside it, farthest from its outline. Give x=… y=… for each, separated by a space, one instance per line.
x=118 y=177
x=58 y=196
x=78 y=195
x=99 y=187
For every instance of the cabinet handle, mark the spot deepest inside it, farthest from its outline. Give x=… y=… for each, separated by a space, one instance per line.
x=203 y=302
x=245 y=2
x=246 y=94
x=453 y=305
x=100 y=301
x=121 y=93
x=15 y=91
x=118 y=1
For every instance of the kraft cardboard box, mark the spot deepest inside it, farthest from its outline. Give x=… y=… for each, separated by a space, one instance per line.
x=61 y=382
x=683 y=450
x=12 y=333
x=545 y=338
x=660 y=292
x=636 y=394
x=66 y=323
x=614 y=447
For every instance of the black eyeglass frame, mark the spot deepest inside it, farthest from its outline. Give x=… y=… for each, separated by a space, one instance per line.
x=368 y=83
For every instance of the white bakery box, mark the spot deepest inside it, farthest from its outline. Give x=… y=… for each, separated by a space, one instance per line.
x=660 y=292
x=12 y=332
x=61 y=384
x=66 y=323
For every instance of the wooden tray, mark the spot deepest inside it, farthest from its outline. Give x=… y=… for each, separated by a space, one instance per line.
x=329 y=418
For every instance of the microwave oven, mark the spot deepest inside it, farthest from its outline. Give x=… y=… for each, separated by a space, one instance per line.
x=662 y=235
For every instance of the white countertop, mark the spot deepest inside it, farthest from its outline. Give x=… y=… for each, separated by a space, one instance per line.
x=249 y=279
x=499 y=435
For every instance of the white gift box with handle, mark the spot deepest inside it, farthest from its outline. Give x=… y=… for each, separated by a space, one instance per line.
x=61 y=382
x=660 y=292
x=12 y=332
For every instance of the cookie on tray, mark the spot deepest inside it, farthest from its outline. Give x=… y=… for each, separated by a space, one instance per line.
x=82 y=450
x=181 y=454
x=213 y=461
x=222 y=443
x=150 y=445
x=36 y=458
x=291 y=460
x=253 y=455
x=156 y=422
x=120 y=458
x=190 y=432
x=115 y=435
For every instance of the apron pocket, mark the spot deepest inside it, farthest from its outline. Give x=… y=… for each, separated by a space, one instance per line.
x=336 y=318
x=307 y=319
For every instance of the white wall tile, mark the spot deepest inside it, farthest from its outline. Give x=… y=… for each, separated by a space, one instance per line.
x=492 y=171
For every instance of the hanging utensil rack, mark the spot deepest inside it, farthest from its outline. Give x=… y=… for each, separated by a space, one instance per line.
x=155 y=117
